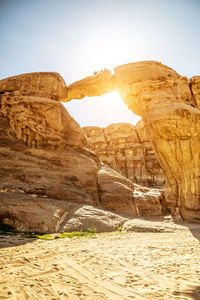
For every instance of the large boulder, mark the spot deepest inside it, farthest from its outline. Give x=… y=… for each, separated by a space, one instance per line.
x=149 y=201
x=152 y=225
x=89 y=218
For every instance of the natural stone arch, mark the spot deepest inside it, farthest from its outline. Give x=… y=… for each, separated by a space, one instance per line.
x=166 y=104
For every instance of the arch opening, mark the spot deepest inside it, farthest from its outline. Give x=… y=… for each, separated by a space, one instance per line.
x=101 y=111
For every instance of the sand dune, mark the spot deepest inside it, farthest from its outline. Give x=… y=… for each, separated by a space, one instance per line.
x=108 y=266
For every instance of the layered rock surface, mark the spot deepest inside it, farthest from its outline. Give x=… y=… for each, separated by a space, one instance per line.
x=127 y=149
x=169 y=106
x=48 y=168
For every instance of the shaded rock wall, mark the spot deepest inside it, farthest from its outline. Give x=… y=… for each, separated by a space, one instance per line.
x=127 y=149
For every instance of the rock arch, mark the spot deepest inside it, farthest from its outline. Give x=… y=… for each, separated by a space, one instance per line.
x=168 y=105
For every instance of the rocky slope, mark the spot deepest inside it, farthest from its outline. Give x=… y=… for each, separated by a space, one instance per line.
x=169 y=106
x=48 y=170
x=127 y=149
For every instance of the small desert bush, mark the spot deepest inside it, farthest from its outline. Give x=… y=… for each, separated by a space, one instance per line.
x=119 y=229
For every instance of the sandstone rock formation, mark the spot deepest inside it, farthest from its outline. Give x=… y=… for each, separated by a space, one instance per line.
x=127 y=149
x=168 y=105
x=47 y=165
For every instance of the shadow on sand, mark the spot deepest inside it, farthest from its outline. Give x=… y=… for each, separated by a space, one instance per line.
x=193 y=292
x=9 y=237
x=195 y=230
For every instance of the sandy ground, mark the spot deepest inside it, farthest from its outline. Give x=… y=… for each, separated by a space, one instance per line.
x=108 y=266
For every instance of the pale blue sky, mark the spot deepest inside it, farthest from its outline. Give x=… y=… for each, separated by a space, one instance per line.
x=77 y=37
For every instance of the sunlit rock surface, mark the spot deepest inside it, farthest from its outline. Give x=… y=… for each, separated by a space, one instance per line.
x=168 y=105
x=41 y=84
x=127 y=149
x=96 y=85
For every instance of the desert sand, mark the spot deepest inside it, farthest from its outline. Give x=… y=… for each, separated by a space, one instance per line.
x=133 y=265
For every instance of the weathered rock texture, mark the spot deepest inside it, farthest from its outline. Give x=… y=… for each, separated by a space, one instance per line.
x=169 y=106
x=47 y=165
x=127 y=149
x=195 y=89
x=43 y=151
x=41 y=84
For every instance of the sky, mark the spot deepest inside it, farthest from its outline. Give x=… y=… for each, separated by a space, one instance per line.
x=77 y=37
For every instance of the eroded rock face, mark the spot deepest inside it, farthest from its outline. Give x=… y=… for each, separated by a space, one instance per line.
x=43 y=151
x=195 y=89
x=127 y=149
x=168 y=105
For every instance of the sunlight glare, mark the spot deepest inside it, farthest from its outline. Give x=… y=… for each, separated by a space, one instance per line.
x=101 y=111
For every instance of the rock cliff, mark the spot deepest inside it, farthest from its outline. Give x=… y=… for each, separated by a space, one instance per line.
x=169 y=106
x=48 y=168
x=127 y=149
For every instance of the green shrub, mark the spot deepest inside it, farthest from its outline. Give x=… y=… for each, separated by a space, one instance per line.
x=50 y=237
